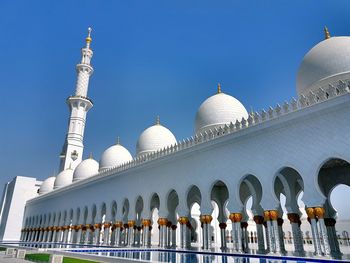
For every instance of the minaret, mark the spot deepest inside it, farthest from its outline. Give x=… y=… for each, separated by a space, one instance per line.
x=79 y=104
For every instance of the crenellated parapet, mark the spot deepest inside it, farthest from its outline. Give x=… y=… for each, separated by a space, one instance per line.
x=254 y=119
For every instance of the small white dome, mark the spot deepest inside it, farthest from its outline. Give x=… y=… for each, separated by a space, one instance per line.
x=325 y=63
x=154 y=138
x=63 y=178
x=114 y=156
x=218 y=110
x=47 y=185
x=85 y=169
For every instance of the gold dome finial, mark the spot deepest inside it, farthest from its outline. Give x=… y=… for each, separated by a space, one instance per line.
x=326 y=33
x=219 y=88
x=118 y=140
x=158 y=120
x=88 y=38
x=90 y=156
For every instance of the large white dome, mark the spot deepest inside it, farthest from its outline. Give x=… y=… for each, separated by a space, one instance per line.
x=325 y=63
x=218 y=110
x=114 y=156
x=63 y=178
x=47 y=185
x=154 y=138
x=85 y=169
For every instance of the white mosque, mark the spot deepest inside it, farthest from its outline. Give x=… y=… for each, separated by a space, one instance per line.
x=244 y=173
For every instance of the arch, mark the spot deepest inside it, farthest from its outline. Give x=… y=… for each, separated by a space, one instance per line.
x=193 y=195
x=125 y=209
x=219 y=193
x=138 y=208
x=154 y=202
x=334 y=171
x=113 y=209
x=172 y=200
x=289 y=183
x=250 y=186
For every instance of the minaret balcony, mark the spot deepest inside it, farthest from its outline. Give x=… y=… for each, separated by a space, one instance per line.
x=79 y=101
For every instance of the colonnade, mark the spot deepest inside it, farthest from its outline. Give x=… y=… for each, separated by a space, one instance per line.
x=129 y=224
x=132 y=234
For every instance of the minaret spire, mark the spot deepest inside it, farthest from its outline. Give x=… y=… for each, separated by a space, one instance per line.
x=79 y=104
x=88 y=38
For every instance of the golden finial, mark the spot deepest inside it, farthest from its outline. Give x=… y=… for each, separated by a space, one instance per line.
x=158 y=120
x=90 y=156
x=326 y=33
x=219 y=88
x=118 y=140
x=88 y=38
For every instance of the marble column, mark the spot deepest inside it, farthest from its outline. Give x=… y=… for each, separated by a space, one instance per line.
x=319 y=212
x=65 y=233
x=315 y=235
x=223 y=237
x=173 y=236
x=97 y=233
x=280 y=222
x=117 y=233
x=236 y=219
x=295 y=222
x=168 y=234
x=259 y=220
x=332 y=235
x=73 y=234
x=183 y=231
x=245 y=236
x=80 y=230
x=106 y=230
x=275 y=232
x=41 y=234
x=131 y=232
x=146 y=223
x=125 y=234
x=269 y=232
x=162 y=223
x=205 y=221
x=86 y=234
x=54 y=234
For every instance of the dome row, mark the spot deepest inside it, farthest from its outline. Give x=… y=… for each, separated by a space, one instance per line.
x=217 y=110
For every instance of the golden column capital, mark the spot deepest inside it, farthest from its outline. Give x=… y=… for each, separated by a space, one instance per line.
x=183 y=220
x=107 y=225
x=273 y=214
x=319 y=212
x=146 y=222
x=162 y=221
x=118 y=224
x=131 y=223
x=310 y=211
x=205 y=219
x=236 y=217
x=98 y=225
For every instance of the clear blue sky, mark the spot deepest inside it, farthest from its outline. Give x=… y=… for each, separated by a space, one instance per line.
x=150 y=58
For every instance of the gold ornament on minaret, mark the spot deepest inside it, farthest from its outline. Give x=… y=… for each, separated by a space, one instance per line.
x=88 y=38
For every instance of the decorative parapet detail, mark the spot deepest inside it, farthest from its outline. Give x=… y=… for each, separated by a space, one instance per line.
x=255 y=118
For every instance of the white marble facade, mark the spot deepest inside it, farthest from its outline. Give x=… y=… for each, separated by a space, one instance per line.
x=299 y=146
